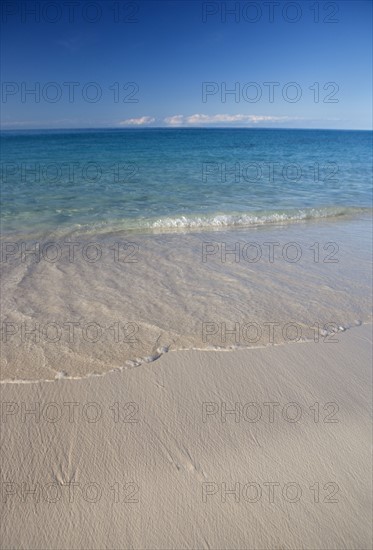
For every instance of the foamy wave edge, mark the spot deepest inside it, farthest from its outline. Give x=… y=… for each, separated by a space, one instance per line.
x=244 y=220
x=193 y=222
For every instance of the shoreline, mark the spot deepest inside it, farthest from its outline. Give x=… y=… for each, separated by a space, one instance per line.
x=148 y=361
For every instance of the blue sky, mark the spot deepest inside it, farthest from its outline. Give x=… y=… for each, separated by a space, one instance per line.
x=150 y=68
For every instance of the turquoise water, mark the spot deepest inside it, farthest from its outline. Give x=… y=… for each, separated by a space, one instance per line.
x=103 y=180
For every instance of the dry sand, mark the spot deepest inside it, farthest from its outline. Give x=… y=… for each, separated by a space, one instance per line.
x=159 y=473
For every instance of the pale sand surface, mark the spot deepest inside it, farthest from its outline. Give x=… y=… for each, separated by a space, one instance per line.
x=170 y=453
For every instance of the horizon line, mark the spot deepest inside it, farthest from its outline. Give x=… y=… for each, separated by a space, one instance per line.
x=184 y=128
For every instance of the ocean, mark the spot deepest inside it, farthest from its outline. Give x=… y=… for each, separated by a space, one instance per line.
x=161 y=179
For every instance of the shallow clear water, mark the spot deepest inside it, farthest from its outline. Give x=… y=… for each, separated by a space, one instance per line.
x=106 y=180
x=73 y=316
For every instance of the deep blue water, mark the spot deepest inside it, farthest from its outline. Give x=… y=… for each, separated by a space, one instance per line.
x=162 y=178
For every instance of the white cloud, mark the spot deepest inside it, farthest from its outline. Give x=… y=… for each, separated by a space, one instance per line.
x=176 y=120
x=137 y=121
x=201 y=119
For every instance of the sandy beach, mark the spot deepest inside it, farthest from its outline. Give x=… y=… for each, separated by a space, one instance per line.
x=269 y=449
